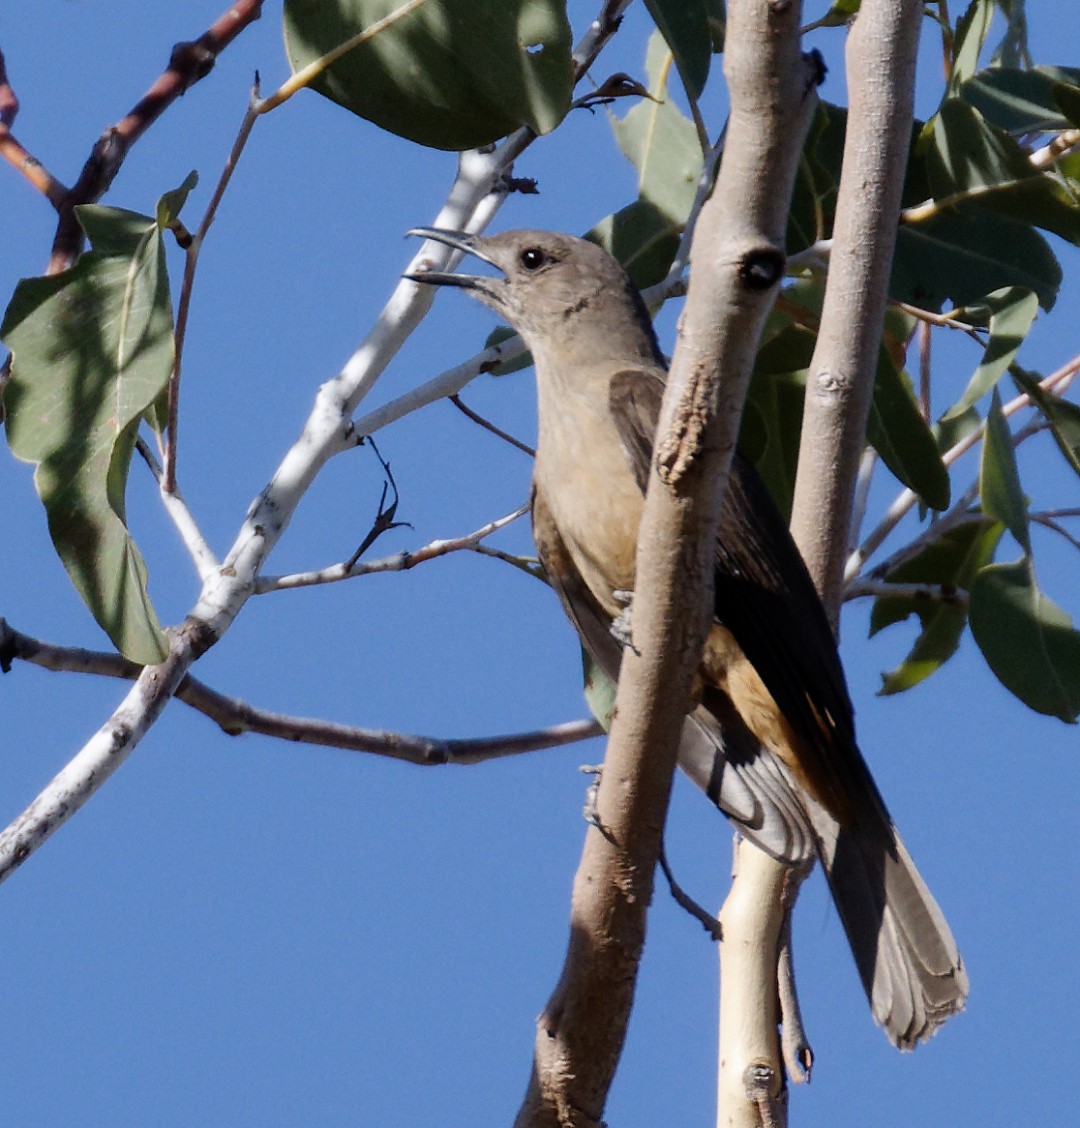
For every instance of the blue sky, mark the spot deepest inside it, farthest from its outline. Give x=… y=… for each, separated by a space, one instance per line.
x=245 y=932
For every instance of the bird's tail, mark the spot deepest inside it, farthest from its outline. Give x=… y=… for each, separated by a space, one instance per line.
x=905 y=952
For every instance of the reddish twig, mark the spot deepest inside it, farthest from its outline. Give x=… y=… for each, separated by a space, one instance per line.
x=188 y=63
x=14 y=153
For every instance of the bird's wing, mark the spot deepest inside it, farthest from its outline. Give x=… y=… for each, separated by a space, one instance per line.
x=593 y=624
x=716 y=751
x=766 y=599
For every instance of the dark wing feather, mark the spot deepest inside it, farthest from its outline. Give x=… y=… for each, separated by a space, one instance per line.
x=766 y=599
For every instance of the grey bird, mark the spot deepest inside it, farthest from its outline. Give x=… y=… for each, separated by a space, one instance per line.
x=772 y=739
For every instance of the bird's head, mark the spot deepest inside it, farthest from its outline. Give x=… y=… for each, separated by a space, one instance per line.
x=548 y=285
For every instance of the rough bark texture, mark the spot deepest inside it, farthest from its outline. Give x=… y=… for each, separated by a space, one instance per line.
x=738 y=260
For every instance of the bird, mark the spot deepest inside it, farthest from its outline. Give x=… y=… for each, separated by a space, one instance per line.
x=771 y=739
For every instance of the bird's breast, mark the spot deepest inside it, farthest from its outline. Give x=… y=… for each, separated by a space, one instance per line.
x=584 y=475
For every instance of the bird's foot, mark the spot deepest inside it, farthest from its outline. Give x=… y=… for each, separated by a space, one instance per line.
x=622 y=626
x=589 y=810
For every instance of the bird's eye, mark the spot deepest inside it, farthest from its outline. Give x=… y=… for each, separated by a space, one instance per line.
x=532 y=258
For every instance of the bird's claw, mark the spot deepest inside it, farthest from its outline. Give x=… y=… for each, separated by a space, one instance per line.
x=622 y=626
x=589 y=810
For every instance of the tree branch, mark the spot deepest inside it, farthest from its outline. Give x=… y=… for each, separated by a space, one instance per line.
x=881 y=51
x=474 y=198
x=739 y=263
x=188 y=64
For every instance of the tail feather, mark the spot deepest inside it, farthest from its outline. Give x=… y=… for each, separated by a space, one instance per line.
x=907 y=958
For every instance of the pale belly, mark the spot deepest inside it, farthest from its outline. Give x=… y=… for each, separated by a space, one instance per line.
x=596 y=505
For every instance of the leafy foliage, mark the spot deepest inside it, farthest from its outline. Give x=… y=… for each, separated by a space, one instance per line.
x=92 y=350
x=452 y=74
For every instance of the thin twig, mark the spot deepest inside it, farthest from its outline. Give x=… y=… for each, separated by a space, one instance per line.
x=399 y=562
x=236 y=717
x=188 y=64
x=201 y=554
x=16 y=154
x=907 y=499
x=191 y=262
x=685 y=901
x=489 y=426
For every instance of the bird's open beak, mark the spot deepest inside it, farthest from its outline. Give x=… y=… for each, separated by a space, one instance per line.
x=460 y=242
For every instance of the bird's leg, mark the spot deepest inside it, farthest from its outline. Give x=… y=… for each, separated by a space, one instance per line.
x=622 y=626
x=589 y=811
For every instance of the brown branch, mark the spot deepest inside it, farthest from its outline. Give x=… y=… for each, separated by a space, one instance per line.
x=188 y=63
x=235 y=717
x=739 y=263
x=477 y=418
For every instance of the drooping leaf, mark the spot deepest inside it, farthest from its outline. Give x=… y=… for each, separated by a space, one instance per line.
x=1009 y=313
x=1020 y=101
x=661 y=142
x=999 y=480
x=92 y=350
x=770 y=431
x=451 y=74
x=962 y=255
x=684 y=24
x=1062 y=415
x=950 y=562
x=1028 y=641
x=899 y=433
x=599 y=690
x=971 y=31
x=969 y=158
x=1067 y=99
x=1013 y=51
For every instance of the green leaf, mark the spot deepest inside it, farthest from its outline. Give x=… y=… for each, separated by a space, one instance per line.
x=1020 y=101
x=1013 y=49
x=951 y=562
x=839 y=13
x=452 y=74
x=684 y=24
x=92 y=350
x=661 y=142
x=505 y=367
x=1062 y=415
x=599 y=690
x=967 y=157
x=963 y=255
x=971 y=31
x=1011 y=313
x=643 y=238
x=170 y=205
x=965 y=153
x=770 y=431
x=1067 y=98
x=1028 y=641
x=999 y=481
x=899 y=433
